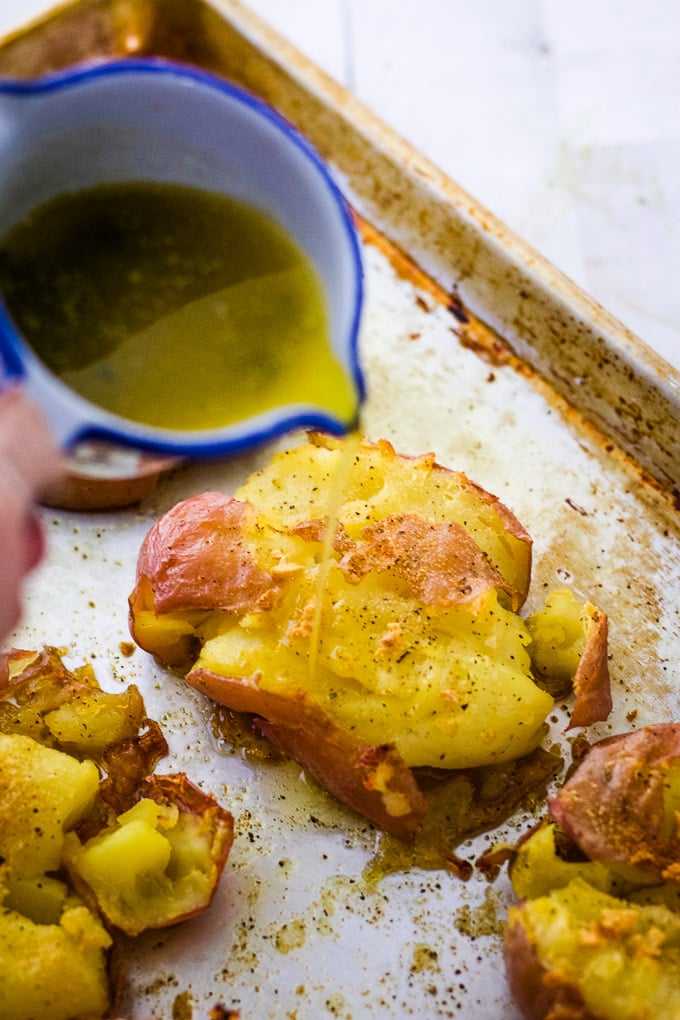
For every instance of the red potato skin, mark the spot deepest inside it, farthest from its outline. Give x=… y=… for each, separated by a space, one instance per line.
x=127 y=764
x=428 y=462
x=441 y=564
x=612 y=806
x=195 y=558
x=219 y=823
x=539 y=993
x=347 y=767
x=22 y=672
x=591 y=684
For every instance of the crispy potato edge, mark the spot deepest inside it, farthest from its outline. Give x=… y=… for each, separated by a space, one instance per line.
x=373 y=780
x=539 y=993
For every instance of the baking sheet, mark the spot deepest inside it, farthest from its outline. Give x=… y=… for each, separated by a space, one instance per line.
x=296 y=930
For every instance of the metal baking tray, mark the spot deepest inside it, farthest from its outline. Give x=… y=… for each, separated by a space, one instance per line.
x=477 y=349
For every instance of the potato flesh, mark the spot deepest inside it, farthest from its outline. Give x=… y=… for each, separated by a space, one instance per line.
x=40 y=898
x=40 y=697
x=380 y=483
x=623 y=959
x=44 y=793
x=172 y=636
x=154 y=866
x=91 y=722
x=53 y=970
x=123 y=859
x=450 y=689
x=537 y=868
x=558 y=636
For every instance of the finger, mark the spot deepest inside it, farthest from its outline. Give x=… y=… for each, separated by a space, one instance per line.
x=26 y=442
x=33 y=542
x=13 y=556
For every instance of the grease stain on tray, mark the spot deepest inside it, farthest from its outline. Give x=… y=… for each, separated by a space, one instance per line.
x=487 y=918
x=291 y=935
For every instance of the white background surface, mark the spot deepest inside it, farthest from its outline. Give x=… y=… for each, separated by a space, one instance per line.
x=561 y=116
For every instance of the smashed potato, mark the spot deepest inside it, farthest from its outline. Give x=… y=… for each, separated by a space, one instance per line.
x=159 y=862
x=597 y=930
x=622 y=804
x=53 y=967
x=44 y=793
x=371 y=631
x=582 y=954
x=91 y=842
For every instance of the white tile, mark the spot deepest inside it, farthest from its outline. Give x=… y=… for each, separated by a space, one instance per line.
x=624 y=97
x=610 y=26
x=316 y=27
x=629 y=229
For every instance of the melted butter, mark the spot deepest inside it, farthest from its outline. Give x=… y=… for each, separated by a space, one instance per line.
x=337 y=491
x=172 y=306
x=461 y=804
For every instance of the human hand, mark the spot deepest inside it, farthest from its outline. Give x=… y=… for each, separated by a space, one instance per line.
x=29 y=462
